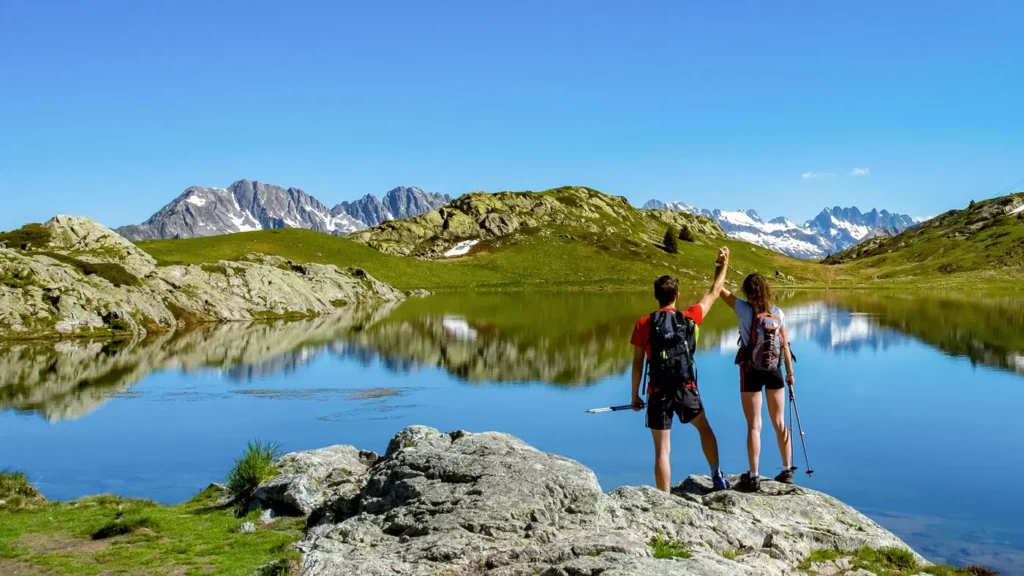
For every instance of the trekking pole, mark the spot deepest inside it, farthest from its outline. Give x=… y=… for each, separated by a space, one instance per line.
x=610 y=409
x=796 y=409
x=791 y=466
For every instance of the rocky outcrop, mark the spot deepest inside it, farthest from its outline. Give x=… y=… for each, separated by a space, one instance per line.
x=581 y=213
x=83 y=278
x=469 y=504
x=306 y=479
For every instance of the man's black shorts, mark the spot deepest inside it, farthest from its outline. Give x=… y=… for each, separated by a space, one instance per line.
x=663 y=404
x=753 y=380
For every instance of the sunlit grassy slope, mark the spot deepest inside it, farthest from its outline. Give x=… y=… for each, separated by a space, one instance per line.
x=983 y=243
x=534 y=262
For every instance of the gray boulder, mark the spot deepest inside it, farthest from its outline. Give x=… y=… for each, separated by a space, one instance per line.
x=466 y=504
x=307 y=478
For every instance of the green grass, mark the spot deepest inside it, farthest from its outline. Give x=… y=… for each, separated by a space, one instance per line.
x=729 y=553
x=664 y=548
x=112 y=272
x=255 y=466
x=890 y=561
x=142 y=537
x=125 y=524
x=533 y=262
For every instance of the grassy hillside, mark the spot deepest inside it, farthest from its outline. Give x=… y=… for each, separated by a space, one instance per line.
x=533 y=261
x=984 y=242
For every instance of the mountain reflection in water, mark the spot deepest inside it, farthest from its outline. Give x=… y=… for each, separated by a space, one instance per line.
x=559 y=339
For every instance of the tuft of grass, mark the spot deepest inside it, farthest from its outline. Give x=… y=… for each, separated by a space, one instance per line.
x=16 y=491
x=729 y=553
x=889 y=558
x=664 y=547
x=256 y=465
x=125 y=524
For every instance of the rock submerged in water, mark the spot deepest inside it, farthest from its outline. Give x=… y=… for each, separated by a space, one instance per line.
x=488 y=503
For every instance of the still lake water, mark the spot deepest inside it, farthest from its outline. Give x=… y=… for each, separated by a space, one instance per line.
x=911 y=405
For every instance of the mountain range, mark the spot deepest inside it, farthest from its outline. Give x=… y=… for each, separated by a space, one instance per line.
x=246 y=206
x=833 y=230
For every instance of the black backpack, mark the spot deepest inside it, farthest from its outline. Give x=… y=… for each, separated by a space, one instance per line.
x=673 y=340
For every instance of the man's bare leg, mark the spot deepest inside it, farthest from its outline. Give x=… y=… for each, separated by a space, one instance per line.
x=662 y=465
x=708 y=442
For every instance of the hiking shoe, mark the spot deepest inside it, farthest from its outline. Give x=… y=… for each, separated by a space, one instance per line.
x=786 y=476
x=719 y=483
x=749 y=483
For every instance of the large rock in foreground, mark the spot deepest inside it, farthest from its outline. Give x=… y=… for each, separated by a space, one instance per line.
x=464 y=504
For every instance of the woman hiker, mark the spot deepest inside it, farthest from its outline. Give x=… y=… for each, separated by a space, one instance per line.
x=764 y=348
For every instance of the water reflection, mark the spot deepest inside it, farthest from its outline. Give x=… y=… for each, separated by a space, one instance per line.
x=561 y=339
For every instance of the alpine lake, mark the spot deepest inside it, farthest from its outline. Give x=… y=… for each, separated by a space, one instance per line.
x=911 y=405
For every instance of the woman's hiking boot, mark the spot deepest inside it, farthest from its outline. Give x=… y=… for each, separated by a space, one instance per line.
x=719 y=482
x=786 y=476
x=749 y=483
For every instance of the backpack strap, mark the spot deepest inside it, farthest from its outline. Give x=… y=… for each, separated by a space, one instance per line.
x=647 y=357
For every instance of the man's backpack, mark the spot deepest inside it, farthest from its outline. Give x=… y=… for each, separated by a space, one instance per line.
x=765 y=340
x=673 y=340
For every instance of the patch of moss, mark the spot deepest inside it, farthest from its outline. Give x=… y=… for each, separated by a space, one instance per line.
x=889 y=561
x=27 y=237
x=16 y=278
x=109 y=271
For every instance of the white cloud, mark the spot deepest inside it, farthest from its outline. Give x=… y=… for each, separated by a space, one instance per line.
x=860 y=171
x=812 y=175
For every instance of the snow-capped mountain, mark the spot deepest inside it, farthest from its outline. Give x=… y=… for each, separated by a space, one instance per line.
x=832 y=230
x=246 y=206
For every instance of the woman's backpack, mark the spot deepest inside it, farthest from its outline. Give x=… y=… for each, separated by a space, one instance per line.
x=764 y=352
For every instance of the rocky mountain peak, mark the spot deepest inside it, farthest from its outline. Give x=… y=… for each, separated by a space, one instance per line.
x=248 y=205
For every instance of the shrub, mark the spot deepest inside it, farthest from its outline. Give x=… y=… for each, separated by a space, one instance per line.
x=686 y=235
x=255 y=466
x=668 y=548
x=27 y=237
x=671 y=245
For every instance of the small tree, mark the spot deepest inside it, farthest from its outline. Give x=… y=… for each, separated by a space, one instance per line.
x=971 y=205
x=686 y=235
x=671 y=245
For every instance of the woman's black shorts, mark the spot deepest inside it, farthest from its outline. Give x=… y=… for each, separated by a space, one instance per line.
x=754 y=380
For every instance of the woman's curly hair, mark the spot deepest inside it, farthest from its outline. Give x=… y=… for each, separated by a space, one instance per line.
x=759 y=294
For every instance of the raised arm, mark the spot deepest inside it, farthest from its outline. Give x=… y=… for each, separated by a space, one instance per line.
x=721 y=266
x=728 y=298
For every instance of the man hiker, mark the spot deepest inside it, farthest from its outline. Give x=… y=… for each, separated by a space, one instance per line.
x=667 y=339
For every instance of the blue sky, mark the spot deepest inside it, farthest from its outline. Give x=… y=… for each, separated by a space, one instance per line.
x=110 y=109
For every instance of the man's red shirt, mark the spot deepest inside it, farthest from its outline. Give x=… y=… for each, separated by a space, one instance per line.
x=642 y=329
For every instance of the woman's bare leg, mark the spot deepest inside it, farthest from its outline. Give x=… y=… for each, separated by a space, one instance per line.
x=752 y=410
x=777 y=413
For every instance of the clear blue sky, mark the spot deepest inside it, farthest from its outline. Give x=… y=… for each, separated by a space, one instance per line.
x=110 y=109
